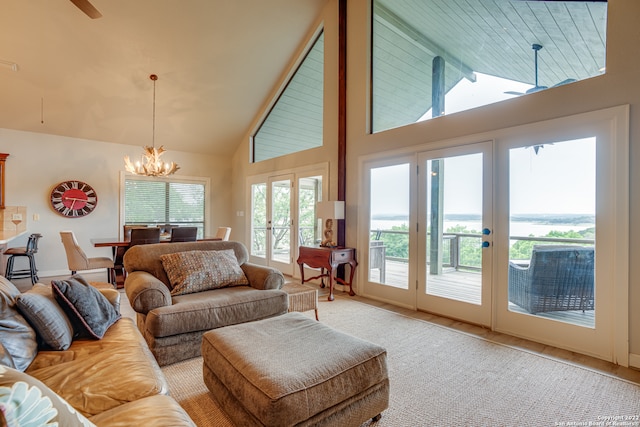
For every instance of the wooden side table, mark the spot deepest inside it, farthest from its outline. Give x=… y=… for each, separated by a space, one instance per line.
x=328 y=259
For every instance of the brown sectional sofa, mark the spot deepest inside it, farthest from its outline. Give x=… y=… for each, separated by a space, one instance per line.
x=112 y=381
x=173 y=325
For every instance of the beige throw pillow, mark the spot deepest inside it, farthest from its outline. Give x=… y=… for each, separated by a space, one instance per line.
x=196 y=271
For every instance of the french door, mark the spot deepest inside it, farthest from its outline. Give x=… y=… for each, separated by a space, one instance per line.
x=272 y=223
x=458 y=230
x=426 y=248
x=283 y=217
x=562 y=233
x=389 y=234
x=455 y=243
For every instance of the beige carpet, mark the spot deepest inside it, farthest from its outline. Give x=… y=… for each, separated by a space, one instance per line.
x=443 y=377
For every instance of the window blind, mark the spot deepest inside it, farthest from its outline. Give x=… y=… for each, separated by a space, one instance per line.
x=164 y=202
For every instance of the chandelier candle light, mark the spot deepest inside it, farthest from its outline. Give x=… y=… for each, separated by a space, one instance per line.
x=151 y=164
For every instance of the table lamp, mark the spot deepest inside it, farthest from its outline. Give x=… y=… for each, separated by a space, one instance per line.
x=330 y=212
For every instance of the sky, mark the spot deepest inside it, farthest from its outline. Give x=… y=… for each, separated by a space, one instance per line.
x=560 y=178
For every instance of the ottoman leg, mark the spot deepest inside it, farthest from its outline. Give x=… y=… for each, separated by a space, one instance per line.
x=376 y=418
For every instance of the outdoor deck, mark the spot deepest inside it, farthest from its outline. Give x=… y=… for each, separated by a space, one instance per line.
x=465 y=286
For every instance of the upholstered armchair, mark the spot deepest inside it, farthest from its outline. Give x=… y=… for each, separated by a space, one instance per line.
x=175 y=291
x=558 y=278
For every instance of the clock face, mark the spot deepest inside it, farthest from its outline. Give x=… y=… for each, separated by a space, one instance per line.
x=73 y=199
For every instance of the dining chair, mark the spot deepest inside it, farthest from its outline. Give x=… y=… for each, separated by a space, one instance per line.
x=184 y=234
x=127 y=230
x=77 y=259
x=25 y=251
x=144 y=236
x=223 y=233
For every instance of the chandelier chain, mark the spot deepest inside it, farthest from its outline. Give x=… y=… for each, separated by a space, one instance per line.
x=150 y=163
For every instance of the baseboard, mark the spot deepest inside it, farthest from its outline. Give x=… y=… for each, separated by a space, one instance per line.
x=634 y=360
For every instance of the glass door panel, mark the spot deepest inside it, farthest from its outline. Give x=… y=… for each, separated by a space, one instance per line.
x=455 y=206
x=309 y=193
x=259 y=220
x=389 y=230
x=387 y=240
x=280 y=223
x=454 y=224
x=552 y=229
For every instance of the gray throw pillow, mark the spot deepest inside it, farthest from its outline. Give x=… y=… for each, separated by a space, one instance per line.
x=17 y=337
x=90 y=312
x=46 y=316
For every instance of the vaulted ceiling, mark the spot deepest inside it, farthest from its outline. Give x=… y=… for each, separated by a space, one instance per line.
x=63 y=73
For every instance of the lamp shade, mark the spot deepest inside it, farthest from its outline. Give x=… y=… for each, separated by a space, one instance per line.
x=333 y=210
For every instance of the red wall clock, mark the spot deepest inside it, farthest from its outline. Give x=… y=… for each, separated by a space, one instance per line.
x=73 y=199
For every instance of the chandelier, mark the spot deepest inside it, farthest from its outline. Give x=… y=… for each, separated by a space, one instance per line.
x=150 y=163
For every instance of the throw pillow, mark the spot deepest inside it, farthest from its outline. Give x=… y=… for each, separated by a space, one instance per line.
x=196 y=271
x=5 y=358
x=90 y=312
x=8 y=290
x=25 y=401
x=46 y=316
x=16 y=335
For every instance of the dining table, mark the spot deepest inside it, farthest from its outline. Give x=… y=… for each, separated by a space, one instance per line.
x=114 y=242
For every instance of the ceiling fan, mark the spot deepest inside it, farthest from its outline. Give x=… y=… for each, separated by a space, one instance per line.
x=536 y=48
x=87 y=8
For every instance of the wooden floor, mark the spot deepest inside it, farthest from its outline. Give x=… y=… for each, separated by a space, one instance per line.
x=465 y=286
x=629 y=374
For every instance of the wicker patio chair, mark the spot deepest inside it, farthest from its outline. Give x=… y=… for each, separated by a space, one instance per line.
x=558 y=278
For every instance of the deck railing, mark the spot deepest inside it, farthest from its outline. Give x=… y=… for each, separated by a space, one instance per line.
x=453 y=245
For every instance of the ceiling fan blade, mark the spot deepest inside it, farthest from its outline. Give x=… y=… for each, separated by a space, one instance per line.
x=87 y=8
x=536 y=89
x=564 y=82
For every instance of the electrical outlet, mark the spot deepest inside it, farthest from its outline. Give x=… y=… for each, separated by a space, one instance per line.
x=36 y=217
x=16 y=217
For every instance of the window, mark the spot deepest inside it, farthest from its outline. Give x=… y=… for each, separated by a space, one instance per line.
x=171 y=201
x=295 y=121
x=440 y=57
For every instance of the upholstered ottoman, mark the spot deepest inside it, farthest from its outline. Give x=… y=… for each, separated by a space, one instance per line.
x=291 y=370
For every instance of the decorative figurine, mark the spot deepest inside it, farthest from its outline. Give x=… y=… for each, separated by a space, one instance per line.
x=328 y=234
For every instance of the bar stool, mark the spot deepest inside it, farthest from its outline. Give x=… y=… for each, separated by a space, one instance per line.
x=28 y=251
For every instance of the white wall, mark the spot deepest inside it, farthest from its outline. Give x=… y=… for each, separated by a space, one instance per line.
x=618 y=86
x=37 y=162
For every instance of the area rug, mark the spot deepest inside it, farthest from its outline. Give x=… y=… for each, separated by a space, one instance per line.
x=443 y=377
